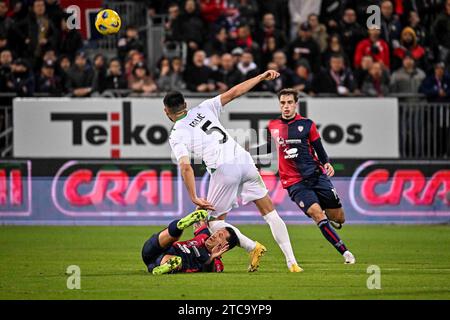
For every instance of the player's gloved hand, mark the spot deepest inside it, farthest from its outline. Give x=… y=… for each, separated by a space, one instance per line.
x=203 y=204
x=269 y=75
x=330 y=169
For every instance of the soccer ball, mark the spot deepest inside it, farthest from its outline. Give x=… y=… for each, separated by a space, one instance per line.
x=107 y=22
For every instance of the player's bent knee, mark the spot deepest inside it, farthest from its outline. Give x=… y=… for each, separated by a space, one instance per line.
x=340 y=216
x=316 y=212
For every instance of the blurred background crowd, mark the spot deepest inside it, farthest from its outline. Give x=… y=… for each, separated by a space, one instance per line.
x=319 y=47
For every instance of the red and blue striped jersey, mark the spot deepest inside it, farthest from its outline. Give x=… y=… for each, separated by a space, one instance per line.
x=297 y=159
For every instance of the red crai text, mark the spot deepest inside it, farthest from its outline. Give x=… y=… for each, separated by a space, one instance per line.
x=411 y=185
x=116 y=186
x=11 y=188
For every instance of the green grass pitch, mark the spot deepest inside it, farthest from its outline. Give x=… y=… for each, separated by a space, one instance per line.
x=414 y=262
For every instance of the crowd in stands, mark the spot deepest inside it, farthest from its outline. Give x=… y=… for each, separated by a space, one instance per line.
x=320 y=47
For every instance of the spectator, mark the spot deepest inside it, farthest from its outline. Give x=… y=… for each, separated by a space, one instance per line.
x=6 y=59
x=99 y=72
x=4 y=42
x=129 y=42
x=160 y=6
x=227 y=76
x=268 y=49
x=49 y=55
x=303 y=78
x=247 y=66
x=271 y=86
x=36 y=33
x=408 y=44
x=374 y=46
x=440 y=32
x=336 y=80
x=21 y=80
x=408 y=78
x=429 y=10
x=351 y=32
x=199 y=77
x=390 y=24
x=268 y=30
x=245 y=41
x=214 y=10
x=63 y=67
x=299 y=11
x=247 y=11
x=173 y=25
x=415 y=23
x=305 y=47
x=213 y=62
x=286 y=74
x=171 y=75
x=70 y=41
x=437 y=85
x=192 y=27
x=237 y=54
x=54 y=12
x=319 y=31
x=134 y=57
x=114 y=79
x=334 y=47
x=220 y=44
x=80 y=76
x=6 y=23
x=330 y=14
x=141 y=82
x=279 y=9
x=19 y=9
x=362 y=72
x=47 y=81
x=376 y=83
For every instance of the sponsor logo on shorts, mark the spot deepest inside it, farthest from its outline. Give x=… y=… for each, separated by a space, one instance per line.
x=302 y=204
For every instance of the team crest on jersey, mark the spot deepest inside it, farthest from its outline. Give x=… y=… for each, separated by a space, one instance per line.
x=300 y=128
x=281 y=141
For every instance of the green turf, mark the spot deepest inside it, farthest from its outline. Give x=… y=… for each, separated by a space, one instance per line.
x=414 y=262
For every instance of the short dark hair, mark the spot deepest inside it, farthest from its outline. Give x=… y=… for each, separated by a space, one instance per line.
x=233 y=239
x=288 y=91
x=174 y=101
x=336 y=55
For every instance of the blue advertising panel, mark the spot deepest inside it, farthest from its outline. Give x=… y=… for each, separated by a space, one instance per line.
x=144 y=192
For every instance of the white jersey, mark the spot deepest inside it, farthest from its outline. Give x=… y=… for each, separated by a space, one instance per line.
x=201 y=135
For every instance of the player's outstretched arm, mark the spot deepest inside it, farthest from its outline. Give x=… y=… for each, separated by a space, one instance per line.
x=244 y=87
x=189 y=180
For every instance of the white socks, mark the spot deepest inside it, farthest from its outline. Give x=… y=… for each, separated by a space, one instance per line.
x=281 y=236
x=244 y=242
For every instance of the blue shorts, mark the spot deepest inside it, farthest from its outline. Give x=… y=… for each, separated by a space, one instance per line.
x=152 y=253
x=315 y=190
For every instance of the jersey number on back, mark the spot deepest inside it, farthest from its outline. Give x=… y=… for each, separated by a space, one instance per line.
x=212 y=129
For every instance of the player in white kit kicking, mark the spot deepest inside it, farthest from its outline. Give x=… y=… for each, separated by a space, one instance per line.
x=199 y=132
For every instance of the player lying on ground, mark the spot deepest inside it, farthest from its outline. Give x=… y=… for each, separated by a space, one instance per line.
x=199 y=132
x=304 y=174
x=163 y=253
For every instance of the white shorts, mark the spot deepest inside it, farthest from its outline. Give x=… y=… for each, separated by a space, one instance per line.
x=230 y=181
